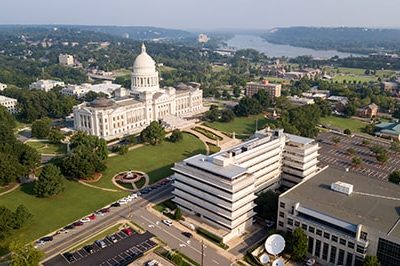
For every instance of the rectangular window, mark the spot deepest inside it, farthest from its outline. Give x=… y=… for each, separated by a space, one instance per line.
x=340 y=257
x=280 y=223
x=363 y=236
x=332 y=258
x=297 y=223
x=289 y=230
x=304 y=227
x=311 y=229
x=334 y=238
x=319 y=232
x=282 y=205
x=325 y=250
x=349 y=260
x=310 y=244
x=361 y=249
x=326 y=235
x=350 y=245
x=342 y=242
x=290 y=221
x=281 y=214
x=317 y=248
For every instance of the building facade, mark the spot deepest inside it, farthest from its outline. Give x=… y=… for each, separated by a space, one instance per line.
x=221 y=188
x=66 y=60
x=344 y=222
x=9 y=103
x=273 y=90
x=79 y=91
x=45 y=85
x=3 y=86
x=134 y=109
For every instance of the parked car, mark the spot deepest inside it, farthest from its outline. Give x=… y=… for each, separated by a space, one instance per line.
x=62 y=231
x=69 y=227
x=105 y=210
x=116 y=204
x=112 y=238
x=128 y=231
x=167 y=222
x=78 y=223
x=85 y=220
x=122 y=202
x=187 y=234
x=89 y=249
x=92 y=217
x=39 y=243
x=101 y=243
x=47 y=238
x=99 y=213
x=69 y=256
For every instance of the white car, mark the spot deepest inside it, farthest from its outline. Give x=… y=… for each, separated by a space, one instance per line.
x=122 y=202
x=99 y=213
x=39 y=243
x=133 y=196
x=127 y=199
x=62 y=231
x=85 y=220
x=167 y=222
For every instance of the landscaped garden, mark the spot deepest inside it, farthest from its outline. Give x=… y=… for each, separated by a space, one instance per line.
x=50 y=214
x=45 y=147
x=343 y=123
x=156 y=161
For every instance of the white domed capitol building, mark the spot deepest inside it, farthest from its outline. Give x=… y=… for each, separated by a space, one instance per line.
x=134 y=109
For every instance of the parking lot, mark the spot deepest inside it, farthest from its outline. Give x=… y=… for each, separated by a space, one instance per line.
x=124 y=251
x=337 y=155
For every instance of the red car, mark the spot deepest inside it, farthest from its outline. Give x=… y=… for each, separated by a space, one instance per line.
x=92 y=217
x=128 y=231
x=105 y=210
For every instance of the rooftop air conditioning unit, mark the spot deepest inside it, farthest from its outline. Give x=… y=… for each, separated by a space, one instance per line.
x=342 y=187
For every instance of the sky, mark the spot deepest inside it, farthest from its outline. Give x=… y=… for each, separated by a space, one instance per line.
x=204 y=14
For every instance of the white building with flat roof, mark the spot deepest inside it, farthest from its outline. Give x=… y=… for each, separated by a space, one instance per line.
x=66 y=60
x=80 y=91
x=9 y=103
x=134 y=109
x=221 y=188
x=3 y=86
x=45 y=84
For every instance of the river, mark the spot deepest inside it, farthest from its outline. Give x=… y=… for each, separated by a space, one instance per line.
x=240 y=41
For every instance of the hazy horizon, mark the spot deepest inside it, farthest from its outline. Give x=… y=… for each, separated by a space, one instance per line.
x=203 y=14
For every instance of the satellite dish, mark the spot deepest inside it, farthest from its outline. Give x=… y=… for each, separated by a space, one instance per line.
x=275 y=244
x=264 y=258
x=278 y=262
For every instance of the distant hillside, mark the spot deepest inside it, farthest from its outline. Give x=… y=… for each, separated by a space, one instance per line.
x=354 y=40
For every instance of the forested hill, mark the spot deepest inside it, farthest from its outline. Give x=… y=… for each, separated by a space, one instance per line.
x=354 y=40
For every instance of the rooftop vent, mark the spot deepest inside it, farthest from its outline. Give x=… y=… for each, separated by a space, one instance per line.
x=342 y=187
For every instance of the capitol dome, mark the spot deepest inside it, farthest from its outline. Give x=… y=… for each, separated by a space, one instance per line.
x=144 y=63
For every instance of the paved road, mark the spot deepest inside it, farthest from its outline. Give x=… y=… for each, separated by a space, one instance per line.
x=137 y=213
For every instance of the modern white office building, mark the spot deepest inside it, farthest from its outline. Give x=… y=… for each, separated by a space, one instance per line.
x=79 y=91
x=45 y=84
x=346 y=216
x=221 y=188
x=134 y=109
x=9 y=103
x=66 y=60
x=300 y=160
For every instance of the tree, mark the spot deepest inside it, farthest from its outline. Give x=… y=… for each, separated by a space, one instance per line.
x=55 y=136
x=351 y=151
x=236 y=92
x=226 y=115
x=370 y=129
x=356 y=161
x=176 y=136
x=212 y=114
x=24 y=255
x=41 y=128
x=123 y=149
x=382 y=157
x=365 y=142
x=82 y=163
x=247 y=106
x=267 y=205
x=21 y=217
x=371 y=261
x=91 y=96
x=6 y=118
x=394 y=177
x=299 y=244
x=6 y=221
x=153 y=134
x=49 y=183
x=9 y=170
x=263 y=99
x=178 y=213
x=396 y=113
x=95 y=144
x=395 y=146
x=347 y=131
x=335 y=140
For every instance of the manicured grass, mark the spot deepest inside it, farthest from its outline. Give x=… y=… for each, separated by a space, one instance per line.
x=352 y=78
x=156 y=161
x=45 y=147
x=102 y=235
x=166 y=69
x=207 y=133
x=50 y=214
x=343 y=123
x=125 y=185
x=213 y=148
x=140 y=183
x=8 y=187
x=219 y=68
x=122 y=72
x=240 y=125
x=165 y=204
x=275 y=79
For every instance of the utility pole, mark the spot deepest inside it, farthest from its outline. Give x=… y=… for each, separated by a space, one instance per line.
x=202 y=253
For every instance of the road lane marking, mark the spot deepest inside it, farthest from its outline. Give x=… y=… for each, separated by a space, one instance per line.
x=216 y=262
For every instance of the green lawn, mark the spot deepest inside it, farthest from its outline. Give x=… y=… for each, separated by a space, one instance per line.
x=343 y=123
x=357 y=78
x=50 y=214
x=45 y=147
x=240 y=125
x=156 y=161
x=275 y=79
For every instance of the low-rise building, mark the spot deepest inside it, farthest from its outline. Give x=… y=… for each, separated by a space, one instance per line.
x=300 y=100
x=79 y=91
x=389 y=130
x=9 y=103
x=66 y=59
x=390 y=87
x=45 y=84
x=273 y=90
x=345 y=216
x=368 y=111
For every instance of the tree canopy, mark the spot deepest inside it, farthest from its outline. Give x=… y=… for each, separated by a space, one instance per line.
x=49 y=183
x=41 y=128
x=298 y=244
x=153 y=134
x=24 y=255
